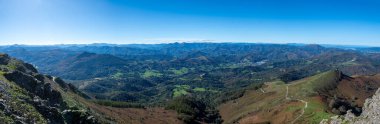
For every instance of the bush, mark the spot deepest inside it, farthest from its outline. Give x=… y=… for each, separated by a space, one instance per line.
x=189 y=108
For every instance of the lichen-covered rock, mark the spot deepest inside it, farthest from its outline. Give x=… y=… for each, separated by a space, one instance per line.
x=4 y=59
x=370 y=113
x=52 y=114
x=31 y=84
x=78 y=116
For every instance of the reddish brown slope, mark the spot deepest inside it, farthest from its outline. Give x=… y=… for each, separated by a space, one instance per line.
x=326 y=95
x=350 y=93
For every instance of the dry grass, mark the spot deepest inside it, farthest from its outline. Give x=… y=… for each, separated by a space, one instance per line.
x=121 y=115
x=271 y=106
x=132 y=115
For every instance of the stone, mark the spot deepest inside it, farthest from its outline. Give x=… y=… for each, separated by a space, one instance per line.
x=370 y=113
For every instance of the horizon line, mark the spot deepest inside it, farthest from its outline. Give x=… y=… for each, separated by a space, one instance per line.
x=221 y=42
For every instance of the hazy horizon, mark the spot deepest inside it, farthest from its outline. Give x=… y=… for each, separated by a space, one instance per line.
x=103 y=43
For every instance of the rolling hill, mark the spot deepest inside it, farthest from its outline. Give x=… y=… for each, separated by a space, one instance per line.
x=308 y=100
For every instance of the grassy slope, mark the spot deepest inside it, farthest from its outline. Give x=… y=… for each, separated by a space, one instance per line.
x=107 y=114
x=269 y=104
x=16 y=103
x=133 y=115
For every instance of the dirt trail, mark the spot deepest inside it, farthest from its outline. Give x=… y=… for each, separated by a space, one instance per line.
x=303 y=101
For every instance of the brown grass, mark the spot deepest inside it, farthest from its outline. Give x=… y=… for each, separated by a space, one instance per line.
x=124 y=115
x=135 y=115
x=359 y=87
x=272 y=107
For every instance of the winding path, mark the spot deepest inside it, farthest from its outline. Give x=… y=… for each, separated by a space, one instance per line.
x=303 y=101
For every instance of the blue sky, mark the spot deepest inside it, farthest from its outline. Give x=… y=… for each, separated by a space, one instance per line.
x=348 y=22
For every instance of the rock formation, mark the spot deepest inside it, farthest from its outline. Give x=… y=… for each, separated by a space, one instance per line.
x=369 y=115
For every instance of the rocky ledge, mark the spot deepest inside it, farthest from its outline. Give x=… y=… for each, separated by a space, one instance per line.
x=369 y=115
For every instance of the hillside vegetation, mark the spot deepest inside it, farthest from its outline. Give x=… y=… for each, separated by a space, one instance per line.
x=151 y=73
x=308 y=100
x=29 y=97
x=193 y=80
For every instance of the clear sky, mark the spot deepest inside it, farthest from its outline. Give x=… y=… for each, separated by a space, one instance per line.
x=156 y=21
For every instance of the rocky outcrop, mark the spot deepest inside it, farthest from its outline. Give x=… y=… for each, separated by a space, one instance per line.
x=29 y=97
x=370 y=114
x=37 y=87
x=4 y=59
